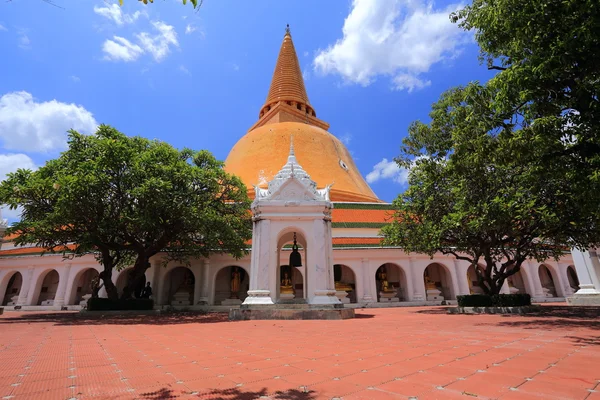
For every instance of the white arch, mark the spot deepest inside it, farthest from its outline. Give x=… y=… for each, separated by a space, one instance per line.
x=215 y=274
x=6 y=279
x=35 y=296
x=448 y=275
x=404 y=281
x=74 y=281
x=555 y=278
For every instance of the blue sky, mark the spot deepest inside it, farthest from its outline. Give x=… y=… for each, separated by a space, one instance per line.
x=199 y=78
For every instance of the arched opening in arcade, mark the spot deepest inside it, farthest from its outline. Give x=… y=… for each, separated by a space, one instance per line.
x=548 y=282
x=291 y=259
x=179 y=287
x=13 y=289
x=391 y=283
x=48 y=289
x=438 y=283
x=231 y=285
x=516 y=282
x=474 y=285
x=83 y=286
x=573 y=278
x=345 y=283
x=123 y=281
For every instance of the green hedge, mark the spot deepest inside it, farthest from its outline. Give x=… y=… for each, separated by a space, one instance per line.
x=102 y=304
x=495 y=300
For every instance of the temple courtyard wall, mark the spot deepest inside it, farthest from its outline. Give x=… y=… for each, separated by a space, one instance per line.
x=50 y=282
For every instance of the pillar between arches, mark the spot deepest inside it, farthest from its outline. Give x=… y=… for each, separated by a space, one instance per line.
x=63 y=279
x=416 y=271
x=367 y=278
x=24 y=297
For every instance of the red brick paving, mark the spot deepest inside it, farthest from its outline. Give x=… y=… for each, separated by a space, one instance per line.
x=399 y=353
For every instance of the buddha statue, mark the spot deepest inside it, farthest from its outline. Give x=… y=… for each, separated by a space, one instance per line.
x=385 y=285
x=342 y=287
x=235 y=283
x=429 y=284
x=286 y=284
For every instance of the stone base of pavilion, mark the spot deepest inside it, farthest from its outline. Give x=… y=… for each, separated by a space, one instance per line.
x=584 y=300
x=290 y=311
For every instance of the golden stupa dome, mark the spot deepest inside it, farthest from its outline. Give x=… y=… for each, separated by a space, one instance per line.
x=259 y=155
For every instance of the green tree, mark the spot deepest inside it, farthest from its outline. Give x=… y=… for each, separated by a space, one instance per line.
x=127 y=199
x=469 y=196
x=511 y=169
x=195 y=3
x=546 y=52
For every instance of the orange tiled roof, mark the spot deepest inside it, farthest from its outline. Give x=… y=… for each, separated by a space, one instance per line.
x=340 y=215
x=31 y=250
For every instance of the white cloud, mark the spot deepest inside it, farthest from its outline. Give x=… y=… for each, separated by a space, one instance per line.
x=306 y=74
x=190 y=29
x=397 y=38
x=158 y=45
x=116 y=14
x=306 y=54
x=24 y=41
x=75 y=78
x=121 y=49
x=11 y=163
x=183 y=69
x=235 y=67
x=409 y=82
x=2 y=28
x=346 y=138
x=28 y=125
x=387 y=170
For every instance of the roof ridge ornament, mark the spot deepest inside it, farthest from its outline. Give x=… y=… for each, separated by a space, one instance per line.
x=291 y=170
x=287 y=30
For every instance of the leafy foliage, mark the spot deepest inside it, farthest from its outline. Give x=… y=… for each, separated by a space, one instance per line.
x=126 y=199
x=510 y=170
x=195 y=3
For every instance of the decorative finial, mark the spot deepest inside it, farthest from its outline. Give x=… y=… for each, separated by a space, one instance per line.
x=287 y=30
x=292 y=145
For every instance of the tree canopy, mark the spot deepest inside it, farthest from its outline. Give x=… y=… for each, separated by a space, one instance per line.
x=126 y=199
x=195 y=3
x=510 y=169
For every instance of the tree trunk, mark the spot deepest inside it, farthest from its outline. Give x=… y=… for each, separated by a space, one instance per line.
x=111 y=289
x=137 y=276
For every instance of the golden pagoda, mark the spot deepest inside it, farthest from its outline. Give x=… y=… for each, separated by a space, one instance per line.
x=261 y=152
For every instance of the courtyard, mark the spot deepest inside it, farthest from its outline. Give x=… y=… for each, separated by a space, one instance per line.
x=397 y=353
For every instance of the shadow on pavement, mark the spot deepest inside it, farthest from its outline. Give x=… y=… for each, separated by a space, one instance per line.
x=553 y=317
x=233 y=394
x=74 y=318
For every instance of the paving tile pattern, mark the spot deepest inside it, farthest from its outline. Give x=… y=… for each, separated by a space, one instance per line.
x=399 y=353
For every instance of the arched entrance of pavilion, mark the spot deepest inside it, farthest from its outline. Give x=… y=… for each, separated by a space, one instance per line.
x=572 y=278
x=391 y=283
x=123 y=280
x=517 y=282
x=345 y=283
x=46 y=288
x=14 y=285
x=227 y=280
x=82 y=286
x=438 y=282
x=178 y=288
x=474 y=286
x=548 y=281
x=291 y=282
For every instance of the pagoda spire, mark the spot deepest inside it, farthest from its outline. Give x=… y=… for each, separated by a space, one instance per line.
x=287 y=99
x=287 y=83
